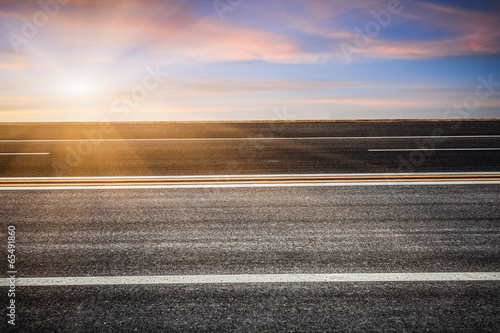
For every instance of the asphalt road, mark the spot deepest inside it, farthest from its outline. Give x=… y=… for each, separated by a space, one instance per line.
x=287 y=231
x=346 y=307
x=160 y=149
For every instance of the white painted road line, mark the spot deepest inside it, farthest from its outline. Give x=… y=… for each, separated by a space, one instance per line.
x=247 y=181
x=22 y=154
x=272 y=138
x=438 y=149
x=257 y=278
x=261 y=176
x=262 y=185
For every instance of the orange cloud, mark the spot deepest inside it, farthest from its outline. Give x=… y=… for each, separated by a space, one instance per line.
x=13 y=65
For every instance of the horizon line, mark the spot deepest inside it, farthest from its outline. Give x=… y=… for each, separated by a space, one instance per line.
x=250 y=121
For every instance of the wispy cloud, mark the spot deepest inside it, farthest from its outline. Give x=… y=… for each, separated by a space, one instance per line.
x=468 y=32
x=179 y=32
x=167 y=28
x=261 y=55
x=254 y=86
x=15 y=65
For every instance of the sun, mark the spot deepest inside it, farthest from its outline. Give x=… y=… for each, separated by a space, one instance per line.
x=79 y=88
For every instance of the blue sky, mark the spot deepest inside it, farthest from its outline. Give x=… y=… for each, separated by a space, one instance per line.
x=83 y=60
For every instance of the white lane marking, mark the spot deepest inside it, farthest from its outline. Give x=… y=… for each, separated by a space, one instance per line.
x=275 y=138
x=21 y=154
x=260 y=176
x=257 y=278
x=332 y=184
x=437 y=149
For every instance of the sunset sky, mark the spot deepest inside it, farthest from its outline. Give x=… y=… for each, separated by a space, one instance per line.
x=84 y=60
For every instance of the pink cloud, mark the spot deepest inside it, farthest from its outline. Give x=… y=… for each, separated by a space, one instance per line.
x=176 y=31
x=470 y=32
x=208 y=40
x=170 y=29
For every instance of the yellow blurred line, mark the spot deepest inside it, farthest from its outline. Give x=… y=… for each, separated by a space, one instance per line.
x=252 y=182
x=265 y=179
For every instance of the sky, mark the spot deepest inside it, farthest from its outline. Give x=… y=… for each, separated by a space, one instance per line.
x=176 y=60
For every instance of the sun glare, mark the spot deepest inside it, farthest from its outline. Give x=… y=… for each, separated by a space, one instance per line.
x=79 y=88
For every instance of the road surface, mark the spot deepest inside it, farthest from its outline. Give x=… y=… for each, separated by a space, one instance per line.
x=323 y=228
x=160 y=149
